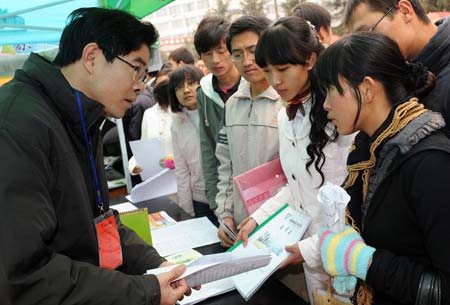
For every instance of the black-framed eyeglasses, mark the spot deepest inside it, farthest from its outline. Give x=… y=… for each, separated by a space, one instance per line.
x=140 y=74
x=381 y=19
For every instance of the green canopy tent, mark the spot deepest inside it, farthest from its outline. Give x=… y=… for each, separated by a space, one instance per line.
x=37 y=21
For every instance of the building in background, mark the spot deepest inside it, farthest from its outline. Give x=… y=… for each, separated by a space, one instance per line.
x=178 y=21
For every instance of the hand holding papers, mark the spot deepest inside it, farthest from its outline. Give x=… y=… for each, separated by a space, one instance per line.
x=157 y=181
x=333 y=201
x=147 y=153
x=210 y=268
x=228 y=231
x=284 y=227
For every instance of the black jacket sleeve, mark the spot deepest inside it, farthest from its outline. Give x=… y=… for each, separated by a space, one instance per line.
x=37 y=274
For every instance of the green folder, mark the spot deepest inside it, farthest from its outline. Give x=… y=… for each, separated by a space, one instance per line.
x=137 y=221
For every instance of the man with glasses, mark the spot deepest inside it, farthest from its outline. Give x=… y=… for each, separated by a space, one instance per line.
x=64 y=245
x=215 y=89
x=420 y=40
x=250 y=133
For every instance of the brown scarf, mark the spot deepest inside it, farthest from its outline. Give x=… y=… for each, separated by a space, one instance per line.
x=297 y=103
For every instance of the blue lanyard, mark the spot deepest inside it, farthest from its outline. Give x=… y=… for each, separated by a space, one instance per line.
x=87 y=141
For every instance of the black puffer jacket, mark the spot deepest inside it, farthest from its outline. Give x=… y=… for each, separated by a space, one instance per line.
x=48 y=202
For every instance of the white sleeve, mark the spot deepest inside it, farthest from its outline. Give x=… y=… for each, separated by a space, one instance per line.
x=131 y=165
x=309 y=248
x=183 y=176
x=149 y=127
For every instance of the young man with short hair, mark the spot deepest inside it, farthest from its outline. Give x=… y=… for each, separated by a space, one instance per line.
x=419 y=40
x=180 y=56
x=64 y=244
x=250 y=133
x=215 y=89
x=318 y=16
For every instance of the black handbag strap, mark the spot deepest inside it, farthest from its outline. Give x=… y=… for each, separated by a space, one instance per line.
x=429 y=292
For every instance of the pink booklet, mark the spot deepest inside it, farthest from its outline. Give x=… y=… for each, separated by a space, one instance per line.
x=257 y=185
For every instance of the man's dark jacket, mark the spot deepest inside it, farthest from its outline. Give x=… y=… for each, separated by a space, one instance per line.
x=48 y=201
x=436 y=57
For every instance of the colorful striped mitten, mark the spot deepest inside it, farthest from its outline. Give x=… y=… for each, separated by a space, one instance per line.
x=345 y=253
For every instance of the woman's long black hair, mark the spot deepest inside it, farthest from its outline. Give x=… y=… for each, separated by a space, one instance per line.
x=376 y=55
x=292 y=40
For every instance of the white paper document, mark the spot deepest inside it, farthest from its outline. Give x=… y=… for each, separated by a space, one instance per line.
x=124 y=207
x=213 y=267
x=284 y=227
x=147 y=153
x=183 y=235
x=162 y=184
x=208 y=291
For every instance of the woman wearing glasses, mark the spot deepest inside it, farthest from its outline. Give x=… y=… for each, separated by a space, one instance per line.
x=399 y=174
x=310 y=150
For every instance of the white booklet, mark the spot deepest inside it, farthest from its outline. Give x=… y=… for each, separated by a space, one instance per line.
x=286 y=226
x=213 y=267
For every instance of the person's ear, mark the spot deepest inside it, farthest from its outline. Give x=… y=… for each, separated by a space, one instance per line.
x=89 y=56
x=368 y=89
x=311 y=61
x=324 y=35
x=406 y=10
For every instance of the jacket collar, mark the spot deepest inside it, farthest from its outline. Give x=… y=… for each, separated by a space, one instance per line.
x=244 y=92
x=287 y=128
x=207 y=87
x=436 y=54
x=61 y=95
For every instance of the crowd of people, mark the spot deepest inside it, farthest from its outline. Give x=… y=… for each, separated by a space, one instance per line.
x=369 y=112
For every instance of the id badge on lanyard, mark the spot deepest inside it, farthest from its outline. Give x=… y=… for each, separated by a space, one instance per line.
x=109 y=248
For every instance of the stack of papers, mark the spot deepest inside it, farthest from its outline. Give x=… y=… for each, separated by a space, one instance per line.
x=124 y=207
x=208 y=291
x=184 y=257
x=210 y=268
x=284 y=227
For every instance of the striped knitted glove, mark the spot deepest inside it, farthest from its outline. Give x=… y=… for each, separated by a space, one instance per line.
x=345 y=253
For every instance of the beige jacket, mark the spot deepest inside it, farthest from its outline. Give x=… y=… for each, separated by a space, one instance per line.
x=249 y=138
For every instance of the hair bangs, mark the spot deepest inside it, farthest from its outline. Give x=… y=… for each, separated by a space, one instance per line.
x=329 y=66
x=275 y=47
